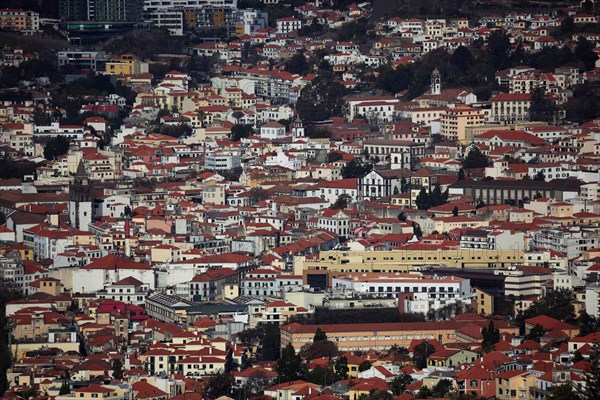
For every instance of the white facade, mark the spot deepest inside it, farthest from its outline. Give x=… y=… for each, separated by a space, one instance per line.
x=386 y=284
x=80 y=214
x=287 y=25
x=94 y=280
x=569 y=242
x=273 y=130
x=222 y=162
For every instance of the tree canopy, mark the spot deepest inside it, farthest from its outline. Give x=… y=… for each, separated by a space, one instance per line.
x=557 y=304
x=356 y=168
x=475 y=159
x=56 y=147
x=321 y=99
x=491 y=336
x=290 y=366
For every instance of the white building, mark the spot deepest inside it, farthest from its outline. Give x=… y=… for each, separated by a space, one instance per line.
x=219 y=161
x=415 y=292
x=336 y=221
x=107 y=270
x=287 y=25
x=492 y=240
x=273 y=130
x=129 y=290
x=55 y=129
x=569 y=241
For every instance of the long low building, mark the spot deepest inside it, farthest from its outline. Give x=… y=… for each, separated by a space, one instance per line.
x=363 y=337
x=415 y=292
x=516 y=192
x=318 y=271
x=379 y=336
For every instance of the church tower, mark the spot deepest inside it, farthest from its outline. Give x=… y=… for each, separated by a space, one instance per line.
x=436 y=82
x=297 y=130
x=81 y=199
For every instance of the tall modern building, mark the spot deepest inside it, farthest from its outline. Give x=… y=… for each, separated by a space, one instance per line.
x=101 y=10
x=72 y=10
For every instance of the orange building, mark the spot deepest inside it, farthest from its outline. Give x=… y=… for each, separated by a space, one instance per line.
x=19 y=20
x=355 y=337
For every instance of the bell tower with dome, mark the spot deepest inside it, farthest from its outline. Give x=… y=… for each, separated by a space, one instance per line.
x=297 y=130
x=436 y=82
x=81 y=199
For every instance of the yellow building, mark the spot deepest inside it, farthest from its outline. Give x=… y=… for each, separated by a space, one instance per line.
x=514 y=385
x=334 y=263
x=455 y=121
x=561 y=209
x=49 y=286
x=126 y=64
x=483 y=303
x=95 y=391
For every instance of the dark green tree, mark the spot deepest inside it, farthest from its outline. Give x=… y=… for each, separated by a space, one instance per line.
x=258 y=194
x=364 y=366
x=334 y=156
x=321 y=99
x=321 y=375
x=319 y=335
x=239 y=131
x=117 y=369
x=64 y=389
x=462 y=58
x=437 y=197
x=491 y=336
x=424 y=393
x=297 y=64
x=442 y=388
x=584 y=105
x=562 y=392
x=266 y=337
x=342 y=202
x=356 y=168
x=535 y=333
x=341 y=367
x=567 y=27
x=377 y=394
x=584 y=52
x=421 y=353
x=422 y=201
x=587 y=324
x=8 y=292
x=418 y=232
x=404 y=186
x=229 y=362
x=290 y=366
x=218 y=385
x=320 y=348
x=16 y=168
x=542 y=108
x=475 y=159
x=539 y=176
x=498 y=49
x=399 y=383
x=557 y=304
x=461 y=174
x=591 y=388
x=56 y=147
